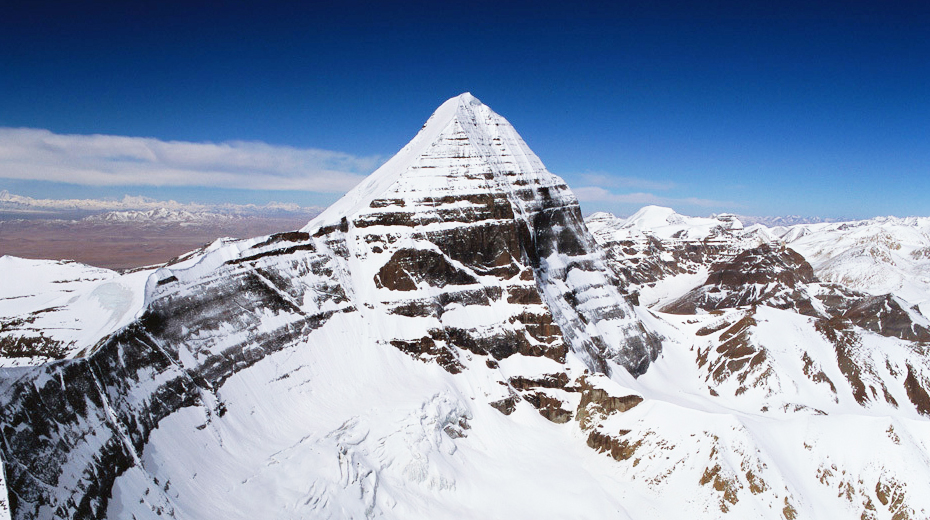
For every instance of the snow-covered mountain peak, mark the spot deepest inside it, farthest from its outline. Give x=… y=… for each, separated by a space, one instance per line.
x=467 y=97
x=461 y=260
x=468 y=191
x=462 y=128
x=653 y=216
x=663 y=223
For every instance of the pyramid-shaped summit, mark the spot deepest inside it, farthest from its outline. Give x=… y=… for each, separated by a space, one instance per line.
x=468 y=187
x=464 y=147
x=460 y=272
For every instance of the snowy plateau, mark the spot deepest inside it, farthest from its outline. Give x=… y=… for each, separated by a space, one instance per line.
x=452 y=339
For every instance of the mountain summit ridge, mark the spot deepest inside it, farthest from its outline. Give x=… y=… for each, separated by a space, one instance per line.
x=464 y=113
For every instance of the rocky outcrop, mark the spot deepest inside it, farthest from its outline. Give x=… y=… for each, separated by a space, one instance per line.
x=888 y=316
x=408 y=267
x=765 y=275
x=69 y=428
x=598 y=403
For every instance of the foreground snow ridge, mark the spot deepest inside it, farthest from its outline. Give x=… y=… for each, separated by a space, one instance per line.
x=450 y=341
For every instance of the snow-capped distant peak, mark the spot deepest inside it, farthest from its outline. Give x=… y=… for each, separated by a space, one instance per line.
x=665 y=223
x=650 y=217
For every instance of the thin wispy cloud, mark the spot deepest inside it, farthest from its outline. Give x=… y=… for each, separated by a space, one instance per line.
x=108 y=160
x=598 y=194
x=605 y=180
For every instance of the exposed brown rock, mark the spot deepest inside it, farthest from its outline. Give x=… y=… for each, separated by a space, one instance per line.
x=762 y=265
x=540 y=326
x=501 y=345
x=486 y=247
x=712 y=328
x=426 y=349
x=738 y=355
x=383 y=203
x=917 y=391
x=815 y=373
x=32 y=346
x=596 y=403
x=533 y=392
x=548 y=406
x=523 y=295
x=391 y=218
x=845 y=340
x=417 y=308
x=884 y=315
x=407 y=267
x=507 y=405
x=756 y=484
x=559 y=380
x=838 y=298
x=617 y=447
x=727 y=486
x=341 y=227
x=847 y=343
x=458 y=429
x=893 y=496
x=765 y=275
x=287 y=236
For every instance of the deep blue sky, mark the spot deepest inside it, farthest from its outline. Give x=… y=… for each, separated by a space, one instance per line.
x=771 y=109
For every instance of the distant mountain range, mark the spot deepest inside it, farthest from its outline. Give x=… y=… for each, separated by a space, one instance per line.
x=131 y=232
x=790 y=220
x=18 y=206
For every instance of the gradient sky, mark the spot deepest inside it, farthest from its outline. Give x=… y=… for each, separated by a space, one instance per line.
x=773 y=108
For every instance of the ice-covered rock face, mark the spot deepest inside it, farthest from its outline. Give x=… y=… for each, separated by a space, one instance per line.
x=462 y=251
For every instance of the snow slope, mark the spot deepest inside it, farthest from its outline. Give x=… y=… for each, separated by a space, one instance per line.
x=55 y=309
x=880 y=255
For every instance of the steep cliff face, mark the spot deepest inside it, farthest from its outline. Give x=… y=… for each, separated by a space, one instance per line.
x=467 y=208
x=461 y=248
x=71 y=427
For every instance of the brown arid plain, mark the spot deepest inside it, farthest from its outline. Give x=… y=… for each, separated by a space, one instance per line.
x=127 y=245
